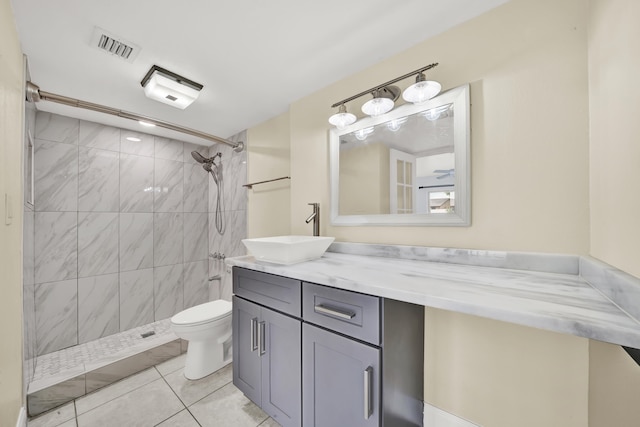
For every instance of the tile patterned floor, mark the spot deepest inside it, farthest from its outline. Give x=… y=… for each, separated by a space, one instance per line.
x=161 y=396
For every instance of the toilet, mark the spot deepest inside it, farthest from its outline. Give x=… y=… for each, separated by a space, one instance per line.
x=207 y=327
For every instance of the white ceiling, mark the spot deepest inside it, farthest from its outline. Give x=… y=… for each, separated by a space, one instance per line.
x=254 y=57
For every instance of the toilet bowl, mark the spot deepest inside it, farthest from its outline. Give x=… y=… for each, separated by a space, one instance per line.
x=207 y=327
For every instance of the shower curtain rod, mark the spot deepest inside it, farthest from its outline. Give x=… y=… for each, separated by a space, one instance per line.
x=34 y=94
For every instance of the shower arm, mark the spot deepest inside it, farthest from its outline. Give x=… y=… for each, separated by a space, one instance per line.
x=34 y=94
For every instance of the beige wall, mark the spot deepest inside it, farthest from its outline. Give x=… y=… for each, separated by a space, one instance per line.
x=614 y=66
x=268 y=157
x=614 y=93
x=501 y=375
x=11 y=119
x=526 y=63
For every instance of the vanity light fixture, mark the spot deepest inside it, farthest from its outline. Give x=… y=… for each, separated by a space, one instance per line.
x=385 y=94
x=342 y=119
x=382 y=102
x=422 y=90
x=170 y=88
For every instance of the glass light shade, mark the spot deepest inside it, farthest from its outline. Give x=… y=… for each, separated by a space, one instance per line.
x=421 y=91
x=362 y=134
x=394 y=125
x=170 y=92
x=342 y=119
x=377 y=106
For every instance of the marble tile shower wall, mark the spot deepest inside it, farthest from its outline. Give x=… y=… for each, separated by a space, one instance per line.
x=120 y=230
x=234 y=210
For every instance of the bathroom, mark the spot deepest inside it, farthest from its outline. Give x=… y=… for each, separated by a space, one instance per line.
x=553 y=170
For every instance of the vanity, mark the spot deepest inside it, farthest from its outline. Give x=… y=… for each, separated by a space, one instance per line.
x=314 y=355
x=305 y=347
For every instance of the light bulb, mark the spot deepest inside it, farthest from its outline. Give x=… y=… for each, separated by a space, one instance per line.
x=377 y=106
x=362 y=134
x=394 y=125
x=342 y=119
x=422 y=90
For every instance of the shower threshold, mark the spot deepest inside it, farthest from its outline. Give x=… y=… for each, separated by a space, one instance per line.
x=67 y=374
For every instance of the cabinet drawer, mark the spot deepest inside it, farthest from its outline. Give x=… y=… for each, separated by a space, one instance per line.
x=347 y=312
x=280 y=293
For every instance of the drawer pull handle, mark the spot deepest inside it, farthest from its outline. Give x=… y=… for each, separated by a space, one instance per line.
x=261 y=337
x=367 y=393
x=333 y=311
x=254 y=335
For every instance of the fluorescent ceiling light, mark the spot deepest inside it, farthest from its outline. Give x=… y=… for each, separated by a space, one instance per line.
x=170 y=88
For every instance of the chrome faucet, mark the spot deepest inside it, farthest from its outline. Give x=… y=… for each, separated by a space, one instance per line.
x=315 y=216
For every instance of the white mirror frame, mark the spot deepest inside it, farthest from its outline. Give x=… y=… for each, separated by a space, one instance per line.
x=459 y=97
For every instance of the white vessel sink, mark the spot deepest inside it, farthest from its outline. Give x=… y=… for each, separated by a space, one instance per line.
x=288 y=249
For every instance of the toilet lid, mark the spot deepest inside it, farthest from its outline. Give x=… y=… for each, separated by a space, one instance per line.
x=203 y=313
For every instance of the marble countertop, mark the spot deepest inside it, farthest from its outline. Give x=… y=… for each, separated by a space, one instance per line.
x=560 y=302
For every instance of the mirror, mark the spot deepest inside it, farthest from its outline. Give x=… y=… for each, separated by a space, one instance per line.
x=407 y=167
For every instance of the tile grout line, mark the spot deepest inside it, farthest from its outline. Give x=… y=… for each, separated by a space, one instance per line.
x=117 y=397
x=176 y=394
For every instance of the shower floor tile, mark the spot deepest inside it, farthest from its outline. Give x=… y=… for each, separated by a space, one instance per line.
x=70 y=362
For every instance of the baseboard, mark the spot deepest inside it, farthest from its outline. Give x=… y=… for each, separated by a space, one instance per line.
x=435 y=417
x=22 y=418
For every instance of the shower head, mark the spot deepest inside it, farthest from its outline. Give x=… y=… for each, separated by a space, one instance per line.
x=207 y=166
x=199 y=157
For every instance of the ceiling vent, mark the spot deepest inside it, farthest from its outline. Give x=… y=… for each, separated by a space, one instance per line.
x=114 y=45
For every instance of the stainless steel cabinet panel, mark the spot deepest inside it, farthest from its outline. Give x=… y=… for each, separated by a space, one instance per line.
x=347 y=312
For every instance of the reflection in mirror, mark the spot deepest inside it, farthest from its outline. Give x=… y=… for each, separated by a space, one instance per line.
x=409 y=166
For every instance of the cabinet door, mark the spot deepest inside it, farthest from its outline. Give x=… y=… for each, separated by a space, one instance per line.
x=246 y=352
x=281 y=367
x=341 y=380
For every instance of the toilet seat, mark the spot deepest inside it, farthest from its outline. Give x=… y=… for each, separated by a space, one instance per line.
x=203 y=313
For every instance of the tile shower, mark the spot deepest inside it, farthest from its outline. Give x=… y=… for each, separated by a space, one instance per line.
x=120 y=231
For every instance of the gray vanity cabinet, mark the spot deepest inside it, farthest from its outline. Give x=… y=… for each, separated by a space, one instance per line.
x=316 y=356
x=247 y=366
x=267 y=347
x=362 y=359
x=341 y=380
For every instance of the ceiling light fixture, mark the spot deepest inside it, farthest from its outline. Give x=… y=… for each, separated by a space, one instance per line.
x=342 y=119
x=170 y=88
x=385 y=94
